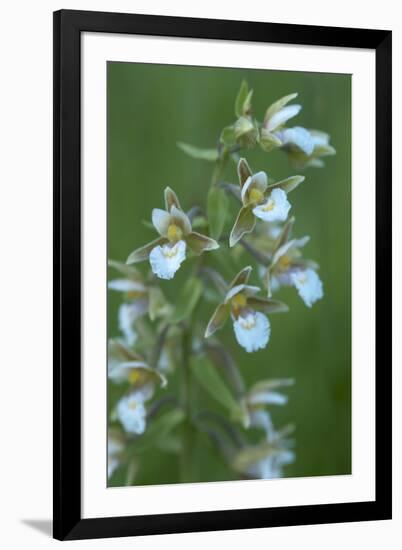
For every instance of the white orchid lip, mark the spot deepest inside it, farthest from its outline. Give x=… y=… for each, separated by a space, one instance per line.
x=252 y=330
x=275 y=209
x=308 y=284
x=298 y=137
x=165 y=260
x=131 y=413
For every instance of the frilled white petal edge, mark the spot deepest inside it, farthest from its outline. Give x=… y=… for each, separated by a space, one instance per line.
x=252 y=331
x=271 y=466
x=165 y=260
x=276 y=208
x=127 y=315
x=309 y=285
x=282 y=116
x=257 y=181
x=131 y=413
x=299 y=137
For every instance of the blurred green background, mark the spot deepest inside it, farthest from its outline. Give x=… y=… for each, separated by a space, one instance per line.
x=150 y=108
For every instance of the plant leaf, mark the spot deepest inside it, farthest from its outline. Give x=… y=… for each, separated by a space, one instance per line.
x=156 y=431
x=210 y=155
x=217 y=207
x=158 y=305
x=209 y=378
x=187 y=301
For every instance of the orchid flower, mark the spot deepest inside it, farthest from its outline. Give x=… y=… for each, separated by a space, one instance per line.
x=167 y=253
x=267 y=202
x=252 y=328
x=266 y=459
x=124 y=365
x=288 y=268
x=306 y=147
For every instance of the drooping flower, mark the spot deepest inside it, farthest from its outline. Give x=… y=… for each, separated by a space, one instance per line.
x=289 y=268
x=262 y=394
x=124 y=365
x=309 y=285
x=296 y=138
x=267 y=459
x=267 y=202
x=270 y=465
x=252 y=328
x=306 y=147
x=167 y=253
x=136 y=293
x=115 y=449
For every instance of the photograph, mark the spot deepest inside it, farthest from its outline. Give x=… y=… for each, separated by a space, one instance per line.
x=229 y=274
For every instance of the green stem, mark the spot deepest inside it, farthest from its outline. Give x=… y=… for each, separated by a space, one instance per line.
x=186 y=459
x=219 y=167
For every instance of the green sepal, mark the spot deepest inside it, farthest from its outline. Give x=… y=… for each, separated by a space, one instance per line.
x=210 y=155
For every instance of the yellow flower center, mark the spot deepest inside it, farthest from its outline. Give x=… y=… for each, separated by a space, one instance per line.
x=134 y=376
x=174 y=233
x=239 y=301
x=284 y=262
x=302 y=279
x=248 y=323
x=133 y=405
x=134 y=294
x=270 y=205
x=256 y=196
x=170 y=252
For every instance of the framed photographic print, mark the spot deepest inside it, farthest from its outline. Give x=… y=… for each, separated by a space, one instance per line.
x=222 y=269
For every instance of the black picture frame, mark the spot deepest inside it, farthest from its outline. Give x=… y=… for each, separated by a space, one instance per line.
x=68 y=26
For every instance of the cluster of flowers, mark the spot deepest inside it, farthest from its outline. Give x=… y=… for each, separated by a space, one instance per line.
x=264 y=229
